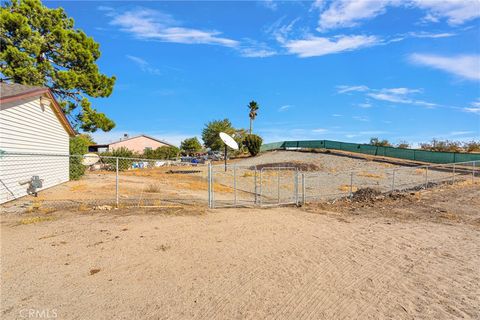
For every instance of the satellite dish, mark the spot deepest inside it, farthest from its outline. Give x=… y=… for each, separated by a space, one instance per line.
x=228 y=140
x=90 y=158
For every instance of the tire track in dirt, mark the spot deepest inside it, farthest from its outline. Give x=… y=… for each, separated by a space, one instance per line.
x=314 y=295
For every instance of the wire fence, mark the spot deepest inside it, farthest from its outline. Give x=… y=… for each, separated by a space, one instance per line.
x=271 y=186
x=77 y=181
x=68 y=180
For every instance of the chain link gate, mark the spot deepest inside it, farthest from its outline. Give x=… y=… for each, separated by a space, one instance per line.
x=241 y=186
x=278 y=186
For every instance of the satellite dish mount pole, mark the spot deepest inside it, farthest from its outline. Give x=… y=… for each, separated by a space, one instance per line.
x=229 y=142
x=225 y=157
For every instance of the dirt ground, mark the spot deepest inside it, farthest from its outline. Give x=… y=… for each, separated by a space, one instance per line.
x=413 y=256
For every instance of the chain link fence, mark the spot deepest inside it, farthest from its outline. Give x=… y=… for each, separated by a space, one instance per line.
x=238 y=186
x=76 y=181
x=65 y=180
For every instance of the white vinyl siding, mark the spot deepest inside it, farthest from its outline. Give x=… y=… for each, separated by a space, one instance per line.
x=30 y=128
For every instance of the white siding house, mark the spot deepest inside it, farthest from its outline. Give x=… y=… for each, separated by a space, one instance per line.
x=32 y=129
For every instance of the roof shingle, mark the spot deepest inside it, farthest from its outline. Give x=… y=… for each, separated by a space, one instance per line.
x=14 y=89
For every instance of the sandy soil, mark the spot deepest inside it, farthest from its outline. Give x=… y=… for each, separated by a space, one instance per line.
x=414 y=257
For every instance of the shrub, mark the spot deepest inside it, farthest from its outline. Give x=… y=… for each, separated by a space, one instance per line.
x=472 y=146
x=190 y=145
x=123 y=164
x=403 y=145
x=379 y=143
x=78 y=147
x=440 y=145
x=253 y=144
x=165 y=152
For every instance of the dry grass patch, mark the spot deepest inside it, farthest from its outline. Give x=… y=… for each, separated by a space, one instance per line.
x=370 y=175
x=420 y=171
x=78 y=187
x=247 y=174
x=153 y=188
x=346 y=188
x=37 y=206
x=37 y=219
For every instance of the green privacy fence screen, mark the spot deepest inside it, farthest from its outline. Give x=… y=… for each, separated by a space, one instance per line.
x=400 y=153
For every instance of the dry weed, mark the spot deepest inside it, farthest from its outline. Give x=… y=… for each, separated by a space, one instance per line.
x=420 y=171
x=369 y=175
x=78 y=187
x=153 y=188
x=37 y=219
x=346 y=188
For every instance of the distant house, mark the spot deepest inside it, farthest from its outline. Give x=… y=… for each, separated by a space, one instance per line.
x=32 y=128
x=138 y=144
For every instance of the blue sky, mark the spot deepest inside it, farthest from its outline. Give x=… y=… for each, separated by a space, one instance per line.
x=342 y=70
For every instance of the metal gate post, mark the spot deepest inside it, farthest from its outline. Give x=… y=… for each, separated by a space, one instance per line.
x=295 y=184
x=278 y=186
x=473 y=172
x=255 y=187
x=212 y=187
x=426 y=177
x=303 y=189
x=209 y=188
x=393 y=180
x=351 y=184
x=453 y=173
x=261 y=171
x=116 y=184
x=235 y=185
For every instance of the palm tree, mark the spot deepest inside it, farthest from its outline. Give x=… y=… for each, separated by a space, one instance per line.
x=253 y=106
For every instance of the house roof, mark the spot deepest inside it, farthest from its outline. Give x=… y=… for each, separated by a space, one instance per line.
x=134 y=137
x=11 y=92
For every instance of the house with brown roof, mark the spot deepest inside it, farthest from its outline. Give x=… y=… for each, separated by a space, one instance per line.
x=139 y=144
x=32 y=127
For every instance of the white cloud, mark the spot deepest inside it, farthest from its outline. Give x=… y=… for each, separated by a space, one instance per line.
x=385 y=95
x=401 y=91
x=337 y=115
x=281 y=32
x=472 y=110
x=423 y=34
x=269 y=4
x=144 y=65
x=460 y=133
x=345 y=89
x=395 y=95
x=257 y=53
x=319 y=46
x=320 y=130
x=361 y=118
x=475 y=107
x=284 y=108
x=255 y=49
x=348 y=13
x=150 y=24
x=455 y=11
x=365 y=105
x=464 y=66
